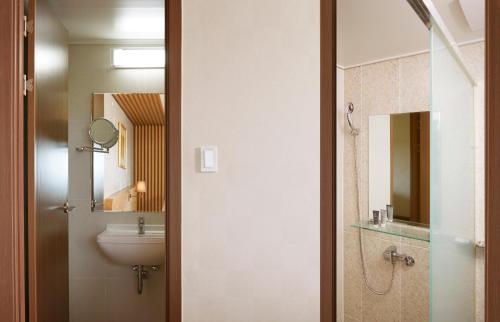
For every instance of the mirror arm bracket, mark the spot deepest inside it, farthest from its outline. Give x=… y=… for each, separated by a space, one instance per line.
x=89 y=149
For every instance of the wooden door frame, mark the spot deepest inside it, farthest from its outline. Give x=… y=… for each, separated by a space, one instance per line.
x=12 y=294
x=328 y=160
x=492 y=158
x=173 y=46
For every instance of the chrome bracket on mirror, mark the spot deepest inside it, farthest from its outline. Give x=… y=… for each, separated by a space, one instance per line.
x=102 y=132
x=89 y=149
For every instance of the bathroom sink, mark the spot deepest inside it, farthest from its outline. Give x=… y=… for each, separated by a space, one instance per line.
x=124 y=245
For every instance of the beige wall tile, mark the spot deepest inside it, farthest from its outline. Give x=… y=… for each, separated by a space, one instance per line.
x=395 y=86
x=474 y=57
x=415 y=85
x=350 y=188
x=377 y=308
x=415 y=242
x=380 y=88
x=368 y=235
x=415 y=285
x=350 y=319
x=352 y=276
x=363 y=169
x=352 y=79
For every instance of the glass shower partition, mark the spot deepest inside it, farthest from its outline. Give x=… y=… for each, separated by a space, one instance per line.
x=452 y=253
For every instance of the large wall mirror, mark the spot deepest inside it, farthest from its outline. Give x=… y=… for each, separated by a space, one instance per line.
x=129 y=176
x=399 y=165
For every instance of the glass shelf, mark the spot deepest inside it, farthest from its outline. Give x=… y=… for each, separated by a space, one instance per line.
x=398 y=228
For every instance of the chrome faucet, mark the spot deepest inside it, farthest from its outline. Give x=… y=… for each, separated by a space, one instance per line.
x=391 y=255
x=142 y=229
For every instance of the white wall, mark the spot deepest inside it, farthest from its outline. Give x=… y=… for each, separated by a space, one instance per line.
x=379 y=162
x=115 y=177
x=101 y=291
x=250 y=232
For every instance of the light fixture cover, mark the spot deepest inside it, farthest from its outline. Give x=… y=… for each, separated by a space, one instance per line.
x=141 y=186
x=139 y=57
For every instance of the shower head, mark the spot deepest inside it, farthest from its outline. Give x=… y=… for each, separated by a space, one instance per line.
x=349 y=109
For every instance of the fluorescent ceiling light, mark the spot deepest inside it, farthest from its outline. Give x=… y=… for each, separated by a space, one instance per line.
x=139 y=23
x=139 y=58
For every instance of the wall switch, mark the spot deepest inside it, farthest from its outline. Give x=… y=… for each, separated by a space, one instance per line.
x=208 y=160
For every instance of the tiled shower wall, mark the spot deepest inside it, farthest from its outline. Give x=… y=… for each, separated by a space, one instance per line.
x=393 y=86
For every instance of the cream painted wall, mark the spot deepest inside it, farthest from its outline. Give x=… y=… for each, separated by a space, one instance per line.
x=101 y=291
x=397 y=86
x=250 y=233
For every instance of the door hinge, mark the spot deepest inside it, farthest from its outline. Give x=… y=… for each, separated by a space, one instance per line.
x=27 y=85
x=28 y=27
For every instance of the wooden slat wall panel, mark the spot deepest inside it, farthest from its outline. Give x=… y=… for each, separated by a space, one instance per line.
x=149 y=160
x=142 y=108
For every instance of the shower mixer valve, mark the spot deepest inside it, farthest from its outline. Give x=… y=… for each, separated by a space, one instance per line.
x=391 y=254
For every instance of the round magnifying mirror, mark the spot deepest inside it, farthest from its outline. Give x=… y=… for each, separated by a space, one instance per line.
x=103 y=132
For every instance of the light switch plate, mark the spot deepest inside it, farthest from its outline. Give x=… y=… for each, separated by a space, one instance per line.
x=208 y=159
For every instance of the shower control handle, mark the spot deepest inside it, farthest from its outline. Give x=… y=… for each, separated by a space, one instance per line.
x=409 y=261
x=391 y=255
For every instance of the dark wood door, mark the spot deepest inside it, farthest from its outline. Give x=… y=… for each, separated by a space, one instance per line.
x=48 y=168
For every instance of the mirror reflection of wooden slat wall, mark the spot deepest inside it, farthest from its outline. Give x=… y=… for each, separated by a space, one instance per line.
x=149 y=157
x=146 y=112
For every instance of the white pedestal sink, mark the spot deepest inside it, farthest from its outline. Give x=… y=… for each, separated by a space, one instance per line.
x=123 y=244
